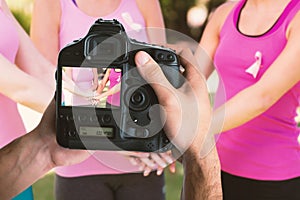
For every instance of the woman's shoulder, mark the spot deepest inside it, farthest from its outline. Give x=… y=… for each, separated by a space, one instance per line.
x=53 y=4
x=224 y=9
x=220 y=14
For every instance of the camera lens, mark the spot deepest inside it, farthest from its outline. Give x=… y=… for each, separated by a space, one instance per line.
x=170 y=57
x=106 y=118
x=139 y=99
x=161 y=56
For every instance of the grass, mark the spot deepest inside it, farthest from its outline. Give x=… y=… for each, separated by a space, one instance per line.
x=43 y=189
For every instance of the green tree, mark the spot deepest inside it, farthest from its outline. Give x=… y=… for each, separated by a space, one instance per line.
x=24 y=18
x=174 y=12
x=211 y=5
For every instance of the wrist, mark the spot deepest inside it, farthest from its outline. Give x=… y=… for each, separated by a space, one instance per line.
x=40 y=149
x=23 y=162
x=208 y=162
x=212 y=175
x=204 y=171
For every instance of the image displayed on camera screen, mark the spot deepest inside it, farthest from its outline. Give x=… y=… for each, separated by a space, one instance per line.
x=91 y=87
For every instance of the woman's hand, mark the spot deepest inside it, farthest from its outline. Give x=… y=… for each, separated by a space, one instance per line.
x=95 y=99
x=148 y=162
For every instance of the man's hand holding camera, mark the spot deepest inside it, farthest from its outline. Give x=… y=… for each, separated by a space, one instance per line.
x=189 y=105
x=38 y=152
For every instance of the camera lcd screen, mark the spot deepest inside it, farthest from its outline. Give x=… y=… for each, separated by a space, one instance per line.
x=96 y=131
x=91 y=87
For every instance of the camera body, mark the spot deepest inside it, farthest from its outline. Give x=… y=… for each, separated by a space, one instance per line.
x=135 y=123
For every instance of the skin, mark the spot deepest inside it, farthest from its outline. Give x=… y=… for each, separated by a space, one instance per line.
x=99 y=92
x=74 y=89
x=69 y=85
x=45 y=26
x=30 y=69
x=46 y=21
x=238 y=111
x=104 y=81
x=201 y=174
x=147 y=162
x=29 y=157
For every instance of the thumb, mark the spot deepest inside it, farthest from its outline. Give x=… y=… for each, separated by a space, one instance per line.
x=153 y=74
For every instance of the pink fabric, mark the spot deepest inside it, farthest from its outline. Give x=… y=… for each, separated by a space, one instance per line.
x=114 y=78
x=11 y=124
x=266 y=147
x=83 y=78
x=75 y=24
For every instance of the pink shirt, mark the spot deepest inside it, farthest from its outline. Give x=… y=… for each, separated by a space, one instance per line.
x=266 y=147
x=83 y=78
x=75 y=24
x=11 y=124
x=114 y=78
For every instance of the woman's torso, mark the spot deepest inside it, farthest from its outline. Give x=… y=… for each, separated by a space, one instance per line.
x=75 y=24
x=83 y=78
x=266 y=147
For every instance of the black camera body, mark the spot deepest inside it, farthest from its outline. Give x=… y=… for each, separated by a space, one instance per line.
x=134 y=125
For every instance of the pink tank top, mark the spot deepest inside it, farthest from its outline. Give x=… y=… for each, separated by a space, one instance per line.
x=114 y=78
x=266 y=147
x=11 y=124
x=75 y=24
x=83 y=78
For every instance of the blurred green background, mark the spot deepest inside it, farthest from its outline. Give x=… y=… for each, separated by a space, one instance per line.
x=188 y=17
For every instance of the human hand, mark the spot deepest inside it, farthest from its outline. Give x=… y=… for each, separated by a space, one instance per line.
x=187 y=114
x=89 y=93
x=187 y=109
x=58 y=156
x=100 y=88
x=98 y=96
x=94 y=87
x=94 y=99
x=148 y=162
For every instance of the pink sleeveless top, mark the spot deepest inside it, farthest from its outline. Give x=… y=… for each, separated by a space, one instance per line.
x=75 y=24
x=11 y=124
x=83 y=78
x=266 y=147
x=114 y=78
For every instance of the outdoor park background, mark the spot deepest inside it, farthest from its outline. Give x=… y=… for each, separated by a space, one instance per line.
x=188 y=17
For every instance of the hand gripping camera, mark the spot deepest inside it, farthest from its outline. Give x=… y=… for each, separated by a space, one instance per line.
x=123 y=114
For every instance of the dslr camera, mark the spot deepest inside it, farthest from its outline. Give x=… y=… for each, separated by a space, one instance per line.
x=124 y=113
